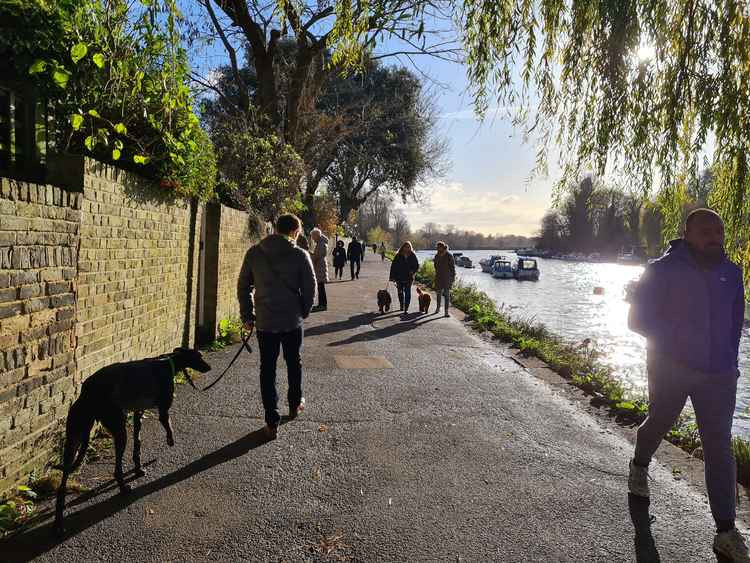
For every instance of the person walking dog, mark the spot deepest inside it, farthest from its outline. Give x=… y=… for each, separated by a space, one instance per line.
x=689 y=305
x=275 y=290
x=445 y=275
x=354 y=254
x=403 y=269
x=339 y=259
x=319 y=256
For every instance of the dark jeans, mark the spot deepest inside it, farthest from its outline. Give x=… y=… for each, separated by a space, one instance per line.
x=404 y=293
x=269 y=344
x=351 y=264
x=338 y=271
x=322 y=299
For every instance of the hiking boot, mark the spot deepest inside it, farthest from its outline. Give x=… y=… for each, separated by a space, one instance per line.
x=298 y=410
x=271 y=431
x=638 y=480
x=731 y=545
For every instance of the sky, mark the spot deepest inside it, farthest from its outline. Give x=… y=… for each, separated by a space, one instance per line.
x=488 y=187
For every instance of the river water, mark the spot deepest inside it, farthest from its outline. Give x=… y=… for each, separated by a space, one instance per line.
x=563 y=300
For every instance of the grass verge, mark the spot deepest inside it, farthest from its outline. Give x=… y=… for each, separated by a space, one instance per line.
x=580 y=364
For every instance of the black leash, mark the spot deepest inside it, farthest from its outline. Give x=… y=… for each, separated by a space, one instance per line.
x=245 y=346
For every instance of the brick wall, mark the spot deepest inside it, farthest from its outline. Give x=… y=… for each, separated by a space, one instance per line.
x=229 y=233
x=137 y=270
x=103 y=275
x=39 y=234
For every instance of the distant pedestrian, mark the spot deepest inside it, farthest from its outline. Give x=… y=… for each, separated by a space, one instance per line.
x=689 y=304
x=445 y=275
x=276 y=289
x=374 y=248
x=403 y=269
x=382 y=251
x=319 y=260
x=354 y=253
x=339 y=259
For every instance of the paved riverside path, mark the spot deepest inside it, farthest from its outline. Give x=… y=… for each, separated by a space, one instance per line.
x=453 y=454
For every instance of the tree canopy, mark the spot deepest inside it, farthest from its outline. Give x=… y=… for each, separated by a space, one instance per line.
x=645 y=88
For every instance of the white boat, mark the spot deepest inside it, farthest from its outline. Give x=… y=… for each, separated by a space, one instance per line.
x=487 y=263
x=502 y=269
x=526 y=269
x=465 y=262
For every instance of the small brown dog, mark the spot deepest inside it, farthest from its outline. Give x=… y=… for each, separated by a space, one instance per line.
x=384 y=300
x=424 y=301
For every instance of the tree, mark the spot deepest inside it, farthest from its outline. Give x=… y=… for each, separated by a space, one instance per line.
x=393 y=146
x=401 y=230
x=376 y=235
x=552 y=232
x=116 y=80
x=348 y=30
x=630 y=85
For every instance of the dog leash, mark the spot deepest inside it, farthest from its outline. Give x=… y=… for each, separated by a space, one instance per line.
x=245 y=346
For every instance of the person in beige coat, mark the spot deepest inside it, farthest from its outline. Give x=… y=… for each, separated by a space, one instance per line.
x=320 y=264
x=445 y=274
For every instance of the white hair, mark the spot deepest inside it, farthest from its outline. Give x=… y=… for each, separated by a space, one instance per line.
x=315 y=231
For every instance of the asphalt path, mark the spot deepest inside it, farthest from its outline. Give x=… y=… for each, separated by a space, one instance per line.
x=420 y=442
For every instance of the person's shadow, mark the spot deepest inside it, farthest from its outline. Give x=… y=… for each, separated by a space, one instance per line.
x=352 y=322
x=409 y=322
x=645 y=547
x=32 y=543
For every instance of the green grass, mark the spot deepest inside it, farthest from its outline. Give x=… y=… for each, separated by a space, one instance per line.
x=580 y=364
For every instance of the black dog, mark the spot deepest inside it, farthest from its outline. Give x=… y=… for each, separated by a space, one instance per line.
x=384 y=300
x=107 y=395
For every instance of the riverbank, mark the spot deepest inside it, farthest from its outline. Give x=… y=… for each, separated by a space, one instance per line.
x=421 y=442
x=580 y=365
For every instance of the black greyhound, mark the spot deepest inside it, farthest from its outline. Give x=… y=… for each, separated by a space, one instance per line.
x=107 y=395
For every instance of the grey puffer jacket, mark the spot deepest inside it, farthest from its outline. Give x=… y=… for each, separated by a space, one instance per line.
x=319 y=259
x=284 y=282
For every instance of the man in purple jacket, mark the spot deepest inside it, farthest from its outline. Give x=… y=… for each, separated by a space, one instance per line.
x=689 y=304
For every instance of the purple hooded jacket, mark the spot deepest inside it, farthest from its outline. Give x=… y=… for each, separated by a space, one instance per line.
x=691 y=315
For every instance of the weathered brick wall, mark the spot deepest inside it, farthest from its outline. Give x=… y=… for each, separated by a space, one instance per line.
x=137 y=267
x=39 y=234
x=235 y=237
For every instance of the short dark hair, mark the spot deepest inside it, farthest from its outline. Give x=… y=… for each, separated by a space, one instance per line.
x=698 y=213
x=288 y=223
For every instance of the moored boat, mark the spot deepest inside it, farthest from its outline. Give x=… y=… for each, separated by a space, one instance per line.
x=526 y=269
x=502 y=269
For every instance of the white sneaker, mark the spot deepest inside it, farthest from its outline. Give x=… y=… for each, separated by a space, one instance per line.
x=731 y=544
x=638 y=480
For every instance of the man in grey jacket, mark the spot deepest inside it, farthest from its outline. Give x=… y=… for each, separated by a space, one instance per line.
x=276 y=290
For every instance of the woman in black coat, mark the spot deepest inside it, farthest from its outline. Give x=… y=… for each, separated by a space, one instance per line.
x=403 y=269
x=339 y=259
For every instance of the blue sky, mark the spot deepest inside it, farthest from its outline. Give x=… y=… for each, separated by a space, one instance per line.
x=488 y=187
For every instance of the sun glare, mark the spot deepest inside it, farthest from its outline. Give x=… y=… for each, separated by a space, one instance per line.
x=646 y=53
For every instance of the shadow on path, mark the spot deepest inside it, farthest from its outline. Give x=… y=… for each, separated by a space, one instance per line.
x=645 y=547
x=409 y=323
x=27 y=545
x=352 y=322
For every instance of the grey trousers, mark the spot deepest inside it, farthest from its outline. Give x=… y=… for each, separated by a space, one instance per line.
x=713 y=396
x=446 y=294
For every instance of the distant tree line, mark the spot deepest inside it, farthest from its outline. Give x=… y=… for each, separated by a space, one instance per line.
x=598 y=217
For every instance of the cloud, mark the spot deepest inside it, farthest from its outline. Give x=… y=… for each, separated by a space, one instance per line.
x=489 y=212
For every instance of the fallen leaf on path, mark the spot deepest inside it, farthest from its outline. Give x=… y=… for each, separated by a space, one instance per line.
x=322 y=428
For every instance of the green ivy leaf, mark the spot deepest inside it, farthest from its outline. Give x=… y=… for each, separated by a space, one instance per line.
x=98 y=59
x=78 y=51
x=38 y=66
x=121 y=129
x=93 y=113
x=76 y=120
x=140 y=159
x=90 y=142
x=118 y=144
x=115 y=154
x=61 y=77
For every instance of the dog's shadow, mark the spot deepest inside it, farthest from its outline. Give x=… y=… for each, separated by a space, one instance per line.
x=32 y=543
